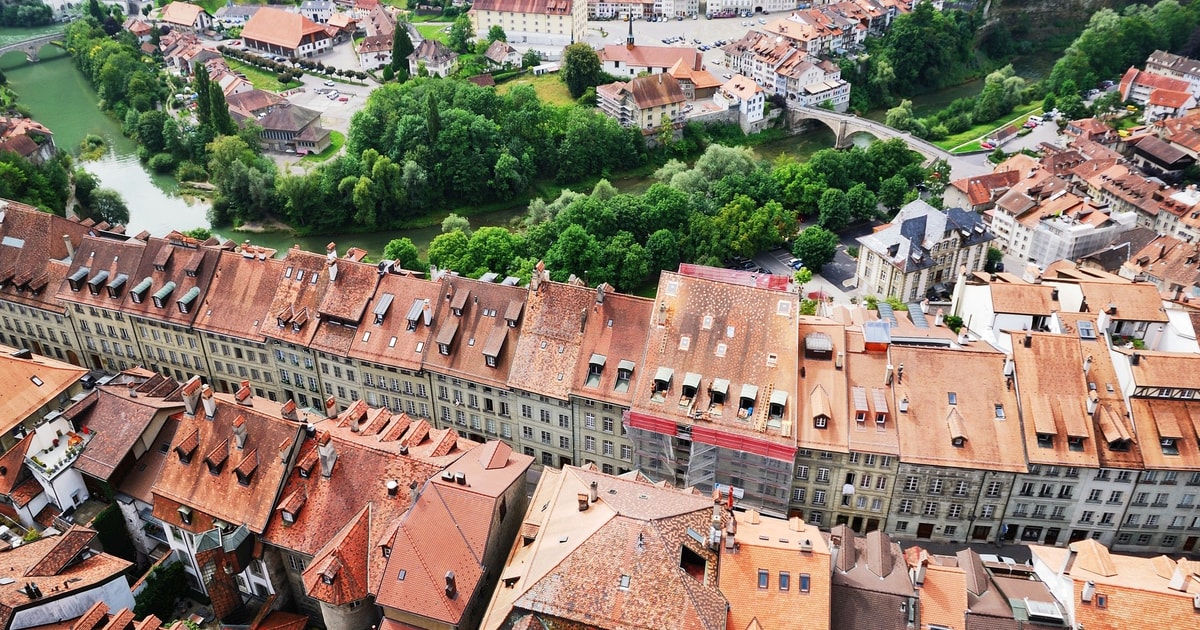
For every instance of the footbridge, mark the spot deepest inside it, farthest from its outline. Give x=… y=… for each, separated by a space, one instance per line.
x=844 y=126
x=31 y=46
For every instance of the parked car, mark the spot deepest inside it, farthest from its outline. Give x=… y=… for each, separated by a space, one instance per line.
x=987 y=145
x=727 y=76
x=328 y=83
x=795 y=263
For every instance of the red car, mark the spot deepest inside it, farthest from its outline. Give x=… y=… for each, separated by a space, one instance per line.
x=987 y=145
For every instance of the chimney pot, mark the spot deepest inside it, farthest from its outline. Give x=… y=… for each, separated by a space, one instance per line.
x=593 y=493
x=393 y=487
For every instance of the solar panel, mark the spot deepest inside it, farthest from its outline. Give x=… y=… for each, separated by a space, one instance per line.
x=887 y=314
x=917 y=315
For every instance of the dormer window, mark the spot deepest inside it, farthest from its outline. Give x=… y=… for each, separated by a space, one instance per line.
x=1170 y=446
x=162 y=294
x=114 y=288
x=958 y=442
x=445 y=337
x=821 y=422
x=1075 y=443
x=185 y=514
x=288 y=517
x=662 y=382
x=327 y=578
x=1045 y=440
x=444 y=348
x=691 y=384
x=381 y=309
x=96 y=282
x=185 y=303
x=624 y=376
x=777 y=405
x=595 y=368
x=138 y=293
x=718 y=394
x=747 y=400
x=76 y=279
x=299 y=275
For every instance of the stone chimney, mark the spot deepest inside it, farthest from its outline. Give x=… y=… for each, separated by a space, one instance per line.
x=331 y=260
x=593 y=492
x=210 y=405
x=451 y=586
x=285 y=449
x=331 y=407
x=326 y=453
x=245 y=395
x=133 y=390
x=239 y=432
x=191 y=396
x=70 y=247
x=288 y=411
x=427 y=312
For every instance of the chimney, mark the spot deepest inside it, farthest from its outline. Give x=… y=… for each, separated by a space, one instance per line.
x=1135 y=359
x=132 y=390
x=331 y=407
x=285 y=449
x=332 y=264
x=288 y=411
x=451 y=587
x=600 y=289
x=239 y=432
x=210 y=405
x=460 y=478
x=795 y=524
x=593 y=494
x=940 y=318
x=413 y=491
x=70 y=247
x=887 y=379
x=427 y=313
x=191 y=396
x=731 y=525
x=1089 y=591
x=244 y=395
x=326 y=453
x=583 y=501
x=1028 y=340
x=393 y=487
x=1092 y=402
x=1087 y=364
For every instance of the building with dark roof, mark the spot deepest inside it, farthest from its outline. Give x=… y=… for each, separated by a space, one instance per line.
x=871 y=587
x=437 y=59
x=290 y=128
x=920 y=249
x=647 y=102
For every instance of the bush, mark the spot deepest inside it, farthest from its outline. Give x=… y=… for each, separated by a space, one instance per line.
x=953 y=322
x=284 y=77
x=164 y=585
x=162 y=162
x=190 y=172
x=110 y=529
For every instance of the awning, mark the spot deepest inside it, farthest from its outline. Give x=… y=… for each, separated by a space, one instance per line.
x=955 y=423
x=626 y=365
x=721 y=386
x=446 y=334
x=597 y=359
x=779 y=397
x=164 y=291
x=1112 y=426
x=691 y=379
x=879 y=396
x=664 y=374
x=495 y=341
x=859 y=395
x=750 y=392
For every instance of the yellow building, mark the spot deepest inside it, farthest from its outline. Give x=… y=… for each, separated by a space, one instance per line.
x=537 y=22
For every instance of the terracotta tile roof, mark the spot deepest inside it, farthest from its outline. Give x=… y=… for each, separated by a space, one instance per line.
x=865 y=372
x=251 y=102
x=181 y=13
x=742 y=339
x=32 y=384
x=140 y=479
x=25 y=492
x=434 y=52
x=279 y=620
x=944 y=594
x=1169 y=98
x=337 y=574
x=94 y=616
x=616 y=331
x=56 y=580
x=1133 y=301
x=590 y=568
x=928 y=429
x=484 y=307
x=13 y=462
x=1134 y=588
x=119 y=423
x=296 y=296
x=984 y=188
x=282 y=28
x=544 y=7
x=1022 y=298
x=1054 y=398
x=242 y=283
x=870 y=580
x=223 y=496
x=651 y=56
x=393 y=336
x=444 y=506
x=1168 y=261
x=556 y=318
x=773 y=608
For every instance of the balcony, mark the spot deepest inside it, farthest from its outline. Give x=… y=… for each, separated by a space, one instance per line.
x=60 y=454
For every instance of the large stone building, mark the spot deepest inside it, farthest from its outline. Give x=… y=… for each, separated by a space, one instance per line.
x=532 y=22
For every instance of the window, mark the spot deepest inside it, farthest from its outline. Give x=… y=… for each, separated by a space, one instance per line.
x=1107 y=518
x=955 y=510
x=608 y=448
x=764 y=578
x=802 y=472
x=865 y=482
x=799 y=495
x=1086 y=516
x=906 y=506
x=935 y=486
x=931 y=508
x=881 y=483
x=993 y=489
x=805 y=582
x=818 y=497
x=987 y=512
x=910 y=484
x=822 y=475
x=1115 y=496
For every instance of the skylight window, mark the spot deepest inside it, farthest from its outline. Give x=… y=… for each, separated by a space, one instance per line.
x=952 y=398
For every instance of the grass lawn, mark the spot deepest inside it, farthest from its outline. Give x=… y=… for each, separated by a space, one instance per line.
x=434 y=31
x=337 y=140
x=417 y=19
x=260 y=78
x=959 y=141
x=550 y=89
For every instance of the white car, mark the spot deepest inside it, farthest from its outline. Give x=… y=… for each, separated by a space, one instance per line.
x=329 y=83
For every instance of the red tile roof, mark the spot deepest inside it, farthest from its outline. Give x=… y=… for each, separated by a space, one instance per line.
x=119 y=423
x=281 y=28
x=181 y=13
x=13 y=462
x=484 y=307
x=543 y=7
x=32 y=384
x=221 y=496
x=651 y=56
x=338 y=573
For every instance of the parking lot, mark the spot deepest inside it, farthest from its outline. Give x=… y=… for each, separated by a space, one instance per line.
x=704 y=30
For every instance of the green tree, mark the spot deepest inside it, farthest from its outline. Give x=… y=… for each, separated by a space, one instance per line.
x=402 y=47
x=404 y=252
x=492 y=249
x=110 y=529
x=581 y=68
x=201 y=85
x=994 y=258
x=164 y=585
x=496 y=34
x=862 y=203
x=106 y=204
x=834 y=210
x=892 y=191
x=461 y=34
x=456 y=223
x=816 y=246
x=530 y=59
x=448 y=250
x=85 y=183
x=662 y=248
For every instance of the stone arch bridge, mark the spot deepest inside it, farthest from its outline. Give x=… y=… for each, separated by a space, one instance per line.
x=31 y=47
x=846 y=125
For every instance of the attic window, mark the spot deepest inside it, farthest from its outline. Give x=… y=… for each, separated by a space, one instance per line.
x=1075 y=443
x=685 y=342
x=958 y=442
x=729 y=330
x=366 y=336
x=288 y=517
x=952 y=398
x=162 y=294
x=999 y=412
x=392 y=342
x=313 y=280
x=764 y=578
x=114 y=287
x=403 y=573
x=287 y=273
x=721 y=348
x=76 y=279
x=299 y=275
x=37 y=381
x=327 y=578
x=772 y=359
x=139 y=292
x=672 y=287
x=784 y=308
x=96 y=282
x=708 y=322
x=1045 y=440
x=1170 y=446
x=1086 y=330
x=624 y=584
x=185 y=514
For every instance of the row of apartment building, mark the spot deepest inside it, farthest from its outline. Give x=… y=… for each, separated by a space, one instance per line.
x=716 y=383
